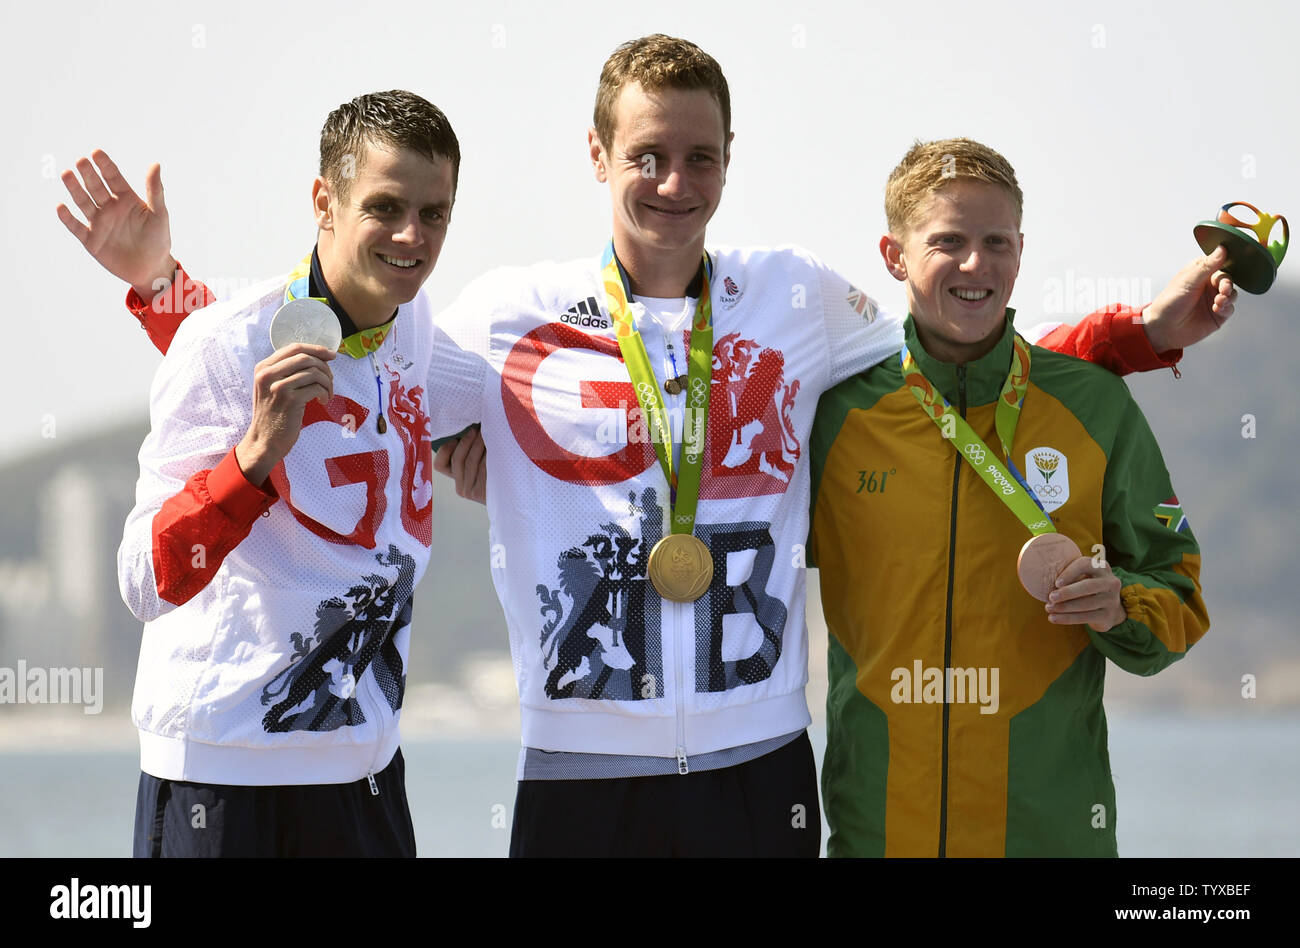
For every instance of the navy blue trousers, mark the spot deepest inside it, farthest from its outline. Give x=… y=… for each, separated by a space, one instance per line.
x=176 y=818
x=764 y=807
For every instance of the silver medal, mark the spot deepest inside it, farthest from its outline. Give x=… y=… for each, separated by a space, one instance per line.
x=308 y=321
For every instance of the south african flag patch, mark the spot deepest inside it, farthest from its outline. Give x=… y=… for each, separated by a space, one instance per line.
x=1170 y=513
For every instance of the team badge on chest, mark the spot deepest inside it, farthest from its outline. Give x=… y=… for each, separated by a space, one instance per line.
x=1048 y=472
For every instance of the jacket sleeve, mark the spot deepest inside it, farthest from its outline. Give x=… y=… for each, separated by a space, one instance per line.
x=859 y=331
x=193 y=504
x=459 y=372
x=1150 y=547
x=162 y=316
x=1111 y=337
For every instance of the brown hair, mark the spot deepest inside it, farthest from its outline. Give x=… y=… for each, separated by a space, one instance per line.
x=659 y=62
x=928 y=166
x=395 y=119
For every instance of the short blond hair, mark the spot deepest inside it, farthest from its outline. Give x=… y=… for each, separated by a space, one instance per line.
x=929 y=166
x=658 y=62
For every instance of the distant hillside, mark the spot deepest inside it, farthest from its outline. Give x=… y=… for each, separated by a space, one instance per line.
x=1241 y=495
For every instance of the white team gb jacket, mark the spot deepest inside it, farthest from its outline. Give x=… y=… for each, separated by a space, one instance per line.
x=279 y=656
x=577 y=497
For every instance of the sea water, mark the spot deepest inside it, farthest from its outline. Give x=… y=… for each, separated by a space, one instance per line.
x=1186 y=784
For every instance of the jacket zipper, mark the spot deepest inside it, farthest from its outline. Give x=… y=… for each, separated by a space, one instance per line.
x=682 y=766
x=378 y=709
x=947 y=631
x=380 y=702
x=379 y=705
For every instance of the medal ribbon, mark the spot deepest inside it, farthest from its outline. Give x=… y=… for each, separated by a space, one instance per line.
x=683 y=485
x=357 y=345
x=1009 y=486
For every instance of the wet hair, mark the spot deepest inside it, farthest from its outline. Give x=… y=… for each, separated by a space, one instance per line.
x=396 y=119
x=658 y=62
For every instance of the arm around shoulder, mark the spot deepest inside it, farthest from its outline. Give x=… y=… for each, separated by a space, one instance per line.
x=859 y=331
x=1114 y=338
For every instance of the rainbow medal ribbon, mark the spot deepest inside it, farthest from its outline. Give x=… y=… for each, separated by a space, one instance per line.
x=303 y=318
x=1046 y=552
x=310 y=319
x=680 y=565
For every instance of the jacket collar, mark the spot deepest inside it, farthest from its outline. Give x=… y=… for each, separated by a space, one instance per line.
x=356 y=342
x=984 y=377
x=320 y=289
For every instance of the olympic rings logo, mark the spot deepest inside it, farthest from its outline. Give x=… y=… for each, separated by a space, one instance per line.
x=1048 y=490
x=975 y=453
x=646 y=392
x=699 y=392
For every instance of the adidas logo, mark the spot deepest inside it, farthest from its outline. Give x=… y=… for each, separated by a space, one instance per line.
x=587 y=313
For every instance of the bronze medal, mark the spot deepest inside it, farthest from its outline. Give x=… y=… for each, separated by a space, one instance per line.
x=1041 y=560
x=675 y=386
x=680 y=567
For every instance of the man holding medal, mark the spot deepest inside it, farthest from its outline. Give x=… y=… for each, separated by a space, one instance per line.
x=965 y=709
x=648 y=412
x=649 y=491
x=277 y=608
x=669 y=720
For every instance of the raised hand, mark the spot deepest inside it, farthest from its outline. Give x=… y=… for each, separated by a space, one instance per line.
x=1195 y=303
x=129 y=237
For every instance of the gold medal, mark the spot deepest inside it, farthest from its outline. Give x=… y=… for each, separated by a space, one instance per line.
x=681 y=567
x=1041 y=560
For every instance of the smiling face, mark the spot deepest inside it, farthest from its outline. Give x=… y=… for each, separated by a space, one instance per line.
x=380 y=241
x=960 y=258
x=666 y=167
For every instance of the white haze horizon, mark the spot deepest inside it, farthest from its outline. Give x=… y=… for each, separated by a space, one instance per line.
x=1121 y=135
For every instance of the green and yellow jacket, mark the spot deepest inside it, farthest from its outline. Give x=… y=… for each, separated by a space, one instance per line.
x=960 y=721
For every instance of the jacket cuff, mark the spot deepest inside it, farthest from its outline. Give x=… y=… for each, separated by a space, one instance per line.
x=159 y=327
x=162 y=315
x=238 y=498
x=1129 y=338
